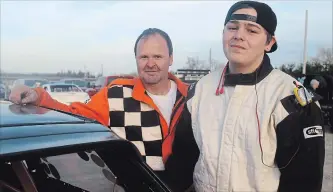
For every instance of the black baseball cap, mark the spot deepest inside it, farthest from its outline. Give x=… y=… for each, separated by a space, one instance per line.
x=265 y=16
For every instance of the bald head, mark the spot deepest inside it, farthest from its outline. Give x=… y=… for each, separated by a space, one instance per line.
x=314 y=84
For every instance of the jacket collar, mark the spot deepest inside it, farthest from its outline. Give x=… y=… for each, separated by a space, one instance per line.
x=251 y=78
x=139 y=91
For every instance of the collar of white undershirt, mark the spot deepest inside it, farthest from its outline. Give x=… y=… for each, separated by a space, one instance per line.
x=172 y=87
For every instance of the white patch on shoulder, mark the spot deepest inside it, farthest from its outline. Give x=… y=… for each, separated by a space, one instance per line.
x=314 y=131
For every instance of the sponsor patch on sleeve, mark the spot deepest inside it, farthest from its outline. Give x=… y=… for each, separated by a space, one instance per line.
x=314 y=131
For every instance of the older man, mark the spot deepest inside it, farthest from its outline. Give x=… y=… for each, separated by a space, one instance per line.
x=145 y=110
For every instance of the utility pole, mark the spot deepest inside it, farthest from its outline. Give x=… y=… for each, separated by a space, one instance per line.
x=305 y=39
x=85 y=71
x=210 y=58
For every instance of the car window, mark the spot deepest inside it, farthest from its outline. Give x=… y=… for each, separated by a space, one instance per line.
x=83 y=171
x=77 y=82
x=9 y=182
x=64 y=88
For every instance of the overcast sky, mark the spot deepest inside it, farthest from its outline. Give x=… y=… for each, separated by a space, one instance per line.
x=50 y=36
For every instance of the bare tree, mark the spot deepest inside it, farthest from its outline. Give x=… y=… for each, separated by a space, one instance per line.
x=195 y=63
x=325 y=58
x=288 y=68
x=215 y=65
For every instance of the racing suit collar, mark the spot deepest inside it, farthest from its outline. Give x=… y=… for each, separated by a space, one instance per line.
x=250 y=79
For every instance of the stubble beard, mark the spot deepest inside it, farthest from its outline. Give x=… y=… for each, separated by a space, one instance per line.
x=151 y=80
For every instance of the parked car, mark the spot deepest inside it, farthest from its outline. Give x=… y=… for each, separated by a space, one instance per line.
x=66 y=93
x=104 y=81
x=76 y=81
x=51 y=151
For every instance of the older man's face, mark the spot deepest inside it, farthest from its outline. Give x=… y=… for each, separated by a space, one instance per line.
x=153 y=59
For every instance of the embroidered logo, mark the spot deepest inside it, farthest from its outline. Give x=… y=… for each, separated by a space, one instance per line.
x=314 y=131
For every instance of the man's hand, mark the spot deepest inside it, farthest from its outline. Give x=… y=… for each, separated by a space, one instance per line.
x=22 y=94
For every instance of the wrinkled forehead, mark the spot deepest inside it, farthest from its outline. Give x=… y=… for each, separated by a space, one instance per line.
x=244 y=15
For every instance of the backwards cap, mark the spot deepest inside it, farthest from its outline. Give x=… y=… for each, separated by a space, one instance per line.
x=265 y=16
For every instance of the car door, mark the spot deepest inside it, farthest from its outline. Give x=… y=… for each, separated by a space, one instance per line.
x=83 y=171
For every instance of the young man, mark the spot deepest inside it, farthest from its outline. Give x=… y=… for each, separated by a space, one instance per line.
x=144 y=110
x=253 y=133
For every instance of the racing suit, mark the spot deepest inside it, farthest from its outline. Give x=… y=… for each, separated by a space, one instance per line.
x=125 y=107
x=255 y=136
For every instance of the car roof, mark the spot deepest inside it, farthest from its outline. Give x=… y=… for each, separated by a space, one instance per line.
x=26 y=127
x=59 y=83
x=19 y=121
x=31 y=78
x=17 y=115
x=72 y=79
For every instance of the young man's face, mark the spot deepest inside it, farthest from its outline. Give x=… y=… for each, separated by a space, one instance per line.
x=244 y=42
x=153 y=59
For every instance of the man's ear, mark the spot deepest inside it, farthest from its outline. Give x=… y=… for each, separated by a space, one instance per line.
x=270 y=44
x=171 y=60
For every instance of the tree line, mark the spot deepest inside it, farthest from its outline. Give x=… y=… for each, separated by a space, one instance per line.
x=196 y=63
x=75 y=74
x=321 y=64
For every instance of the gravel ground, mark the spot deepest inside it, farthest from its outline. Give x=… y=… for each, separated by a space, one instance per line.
x=328 y=167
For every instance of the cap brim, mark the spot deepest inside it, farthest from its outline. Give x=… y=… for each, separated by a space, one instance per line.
x=274 y=48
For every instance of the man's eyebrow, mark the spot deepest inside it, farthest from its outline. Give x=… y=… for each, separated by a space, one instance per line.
x=253 y=25
x=247 y=24
x=234 y=22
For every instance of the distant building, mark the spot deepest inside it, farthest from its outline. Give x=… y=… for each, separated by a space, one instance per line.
x=191 y=75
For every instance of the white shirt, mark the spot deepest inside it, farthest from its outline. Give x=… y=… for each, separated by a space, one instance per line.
x=166 y=102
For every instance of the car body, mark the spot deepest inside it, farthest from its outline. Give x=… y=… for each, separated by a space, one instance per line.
x=51 y=151
x=76 y=81
x=66 y=93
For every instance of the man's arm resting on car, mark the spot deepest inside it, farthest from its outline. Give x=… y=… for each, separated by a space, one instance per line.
x=97 y=108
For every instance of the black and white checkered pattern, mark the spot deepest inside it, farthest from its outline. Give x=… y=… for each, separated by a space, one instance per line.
x=136 y=122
